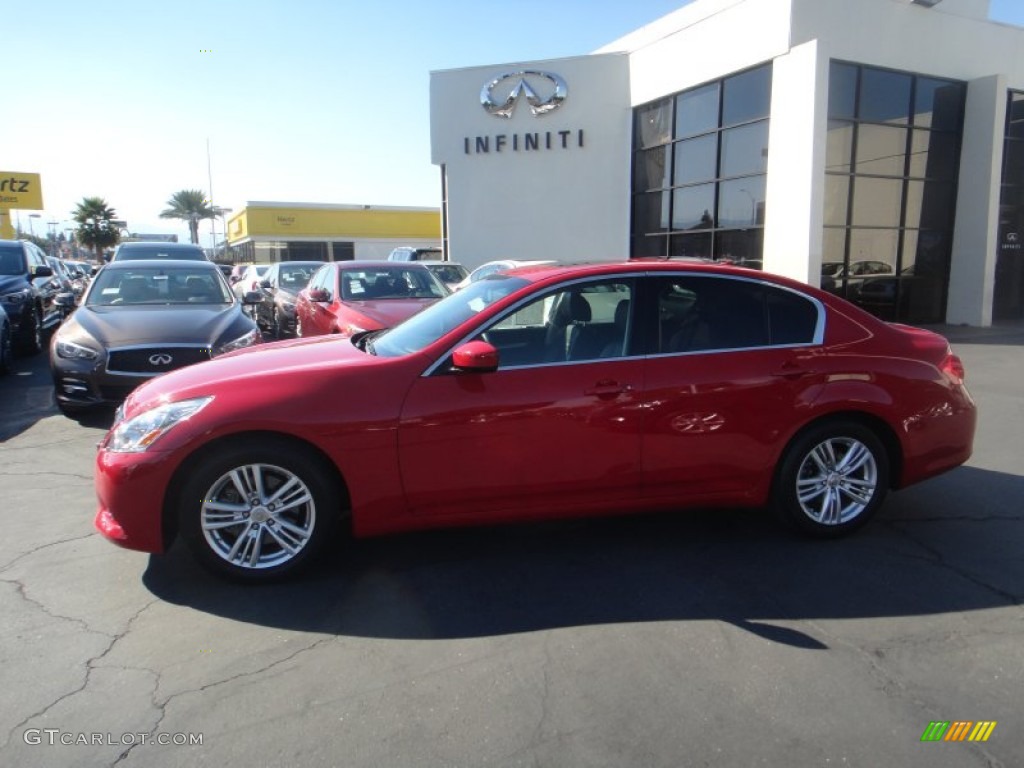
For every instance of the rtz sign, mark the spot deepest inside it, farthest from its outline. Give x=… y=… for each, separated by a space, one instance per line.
x=23 y=191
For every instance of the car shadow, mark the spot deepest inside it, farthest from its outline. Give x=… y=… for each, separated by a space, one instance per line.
x=932 y=550
x=26 y=395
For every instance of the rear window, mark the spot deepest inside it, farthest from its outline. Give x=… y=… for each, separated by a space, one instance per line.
x=158 y=251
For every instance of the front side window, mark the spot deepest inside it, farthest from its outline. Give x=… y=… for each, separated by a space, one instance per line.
x=588 y=321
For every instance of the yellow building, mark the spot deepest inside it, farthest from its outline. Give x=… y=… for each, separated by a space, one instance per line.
x=267 y=232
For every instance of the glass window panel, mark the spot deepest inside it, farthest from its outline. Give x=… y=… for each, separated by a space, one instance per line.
x=870 y=248
x=792 y=319
x=938 y=104
x=833 y=249
x=649 y=245
x=696 y=159
x=745 y=149
x=839 y=148
x=842 y=90
x=650 y=213
x=651 y=169
x=933 y=155
x=881 y=149
x=691 y=246
x=693 y=207
x=929 y=205
x=654 y=124
x=744 y=247
x=697 y=111
x=741 y=202
x=837 y=195
x=1015 y=116
x=747 y=96
x=1013 y=162
x=884 y=96
x=876 y=202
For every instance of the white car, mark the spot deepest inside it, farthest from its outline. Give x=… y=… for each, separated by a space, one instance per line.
x=496 y=266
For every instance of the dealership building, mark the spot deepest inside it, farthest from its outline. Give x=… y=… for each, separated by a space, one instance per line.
x=873 y=147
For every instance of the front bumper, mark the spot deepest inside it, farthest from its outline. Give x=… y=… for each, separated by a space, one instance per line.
x=130 y=490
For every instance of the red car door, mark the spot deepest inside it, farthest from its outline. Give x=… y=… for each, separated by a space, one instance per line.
x=538 y=436
x=722 y=393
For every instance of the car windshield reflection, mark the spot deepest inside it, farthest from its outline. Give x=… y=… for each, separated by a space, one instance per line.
x=157 y=285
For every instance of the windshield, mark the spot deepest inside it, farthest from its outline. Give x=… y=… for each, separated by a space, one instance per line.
x=426 y=327
x=158 y=285
x=12 y=260
x=386 y=282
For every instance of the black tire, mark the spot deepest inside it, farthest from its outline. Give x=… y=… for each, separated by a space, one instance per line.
x=280 y=541
x=31 y=341
x=6 y=349
x=275 y=325
x=832 y=479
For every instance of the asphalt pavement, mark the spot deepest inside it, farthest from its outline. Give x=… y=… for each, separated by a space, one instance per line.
x=696 y=639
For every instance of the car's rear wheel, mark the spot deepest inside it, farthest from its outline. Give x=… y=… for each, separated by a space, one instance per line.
x=275 y=326
x=832 y=479
x=255 y=513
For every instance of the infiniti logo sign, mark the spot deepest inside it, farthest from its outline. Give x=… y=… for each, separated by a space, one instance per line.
x=521 y=86
x=161 y=358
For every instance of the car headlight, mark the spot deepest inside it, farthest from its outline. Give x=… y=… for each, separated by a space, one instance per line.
x=16 y=297
x=137 y=434
x=71 y=351
x=246 y=340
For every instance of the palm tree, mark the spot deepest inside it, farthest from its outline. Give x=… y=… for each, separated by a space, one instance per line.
x=192 y=206
x=96 y=226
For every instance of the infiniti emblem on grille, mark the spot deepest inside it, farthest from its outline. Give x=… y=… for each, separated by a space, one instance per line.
x=160 y=359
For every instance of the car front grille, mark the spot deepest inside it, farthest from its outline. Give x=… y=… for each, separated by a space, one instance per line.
x=150 y=361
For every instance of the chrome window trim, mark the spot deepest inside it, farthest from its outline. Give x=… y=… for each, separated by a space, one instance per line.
x=817 y=341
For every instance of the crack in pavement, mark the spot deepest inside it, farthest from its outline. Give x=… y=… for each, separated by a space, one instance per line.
x=41 y=547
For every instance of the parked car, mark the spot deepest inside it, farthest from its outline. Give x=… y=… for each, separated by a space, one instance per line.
x=6 y=342
x=280 y=287
x=408 y=253
x=559 y=391
x=493 y=267
x=347 y=297
x=140 y=319
x=67 y=296
x=158 y=250
x=448 y=272
x=248 y=279
x=28 y=293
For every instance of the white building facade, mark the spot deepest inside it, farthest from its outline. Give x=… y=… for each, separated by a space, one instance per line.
x=873 y=147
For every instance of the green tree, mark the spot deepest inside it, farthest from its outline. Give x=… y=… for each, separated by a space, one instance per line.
x=192 y=206
x=96 y=227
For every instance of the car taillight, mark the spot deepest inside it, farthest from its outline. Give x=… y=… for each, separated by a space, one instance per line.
x=953 y=367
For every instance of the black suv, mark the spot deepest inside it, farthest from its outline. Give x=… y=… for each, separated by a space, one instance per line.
x=28 y=293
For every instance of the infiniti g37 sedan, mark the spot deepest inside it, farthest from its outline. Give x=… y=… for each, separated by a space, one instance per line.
x=139 y=319
x=556 y=391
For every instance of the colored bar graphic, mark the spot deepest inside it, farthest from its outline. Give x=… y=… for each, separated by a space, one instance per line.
x=958 y=730
x=935 y=731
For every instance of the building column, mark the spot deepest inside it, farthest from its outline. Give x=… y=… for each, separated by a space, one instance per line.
x=975 y=234
x=794 y=202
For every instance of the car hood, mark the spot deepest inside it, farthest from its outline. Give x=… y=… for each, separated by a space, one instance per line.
x=12 y=283
x=125 y=326
x=250 y=368
x=387 y=313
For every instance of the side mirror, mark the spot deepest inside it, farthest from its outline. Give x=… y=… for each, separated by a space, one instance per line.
x=476 y=356
x=319 y=295
x=235 y=278
x=42 y=272
x=252 y=297
x=264 y=283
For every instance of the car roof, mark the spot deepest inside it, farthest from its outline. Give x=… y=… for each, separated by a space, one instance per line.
x=161 y=264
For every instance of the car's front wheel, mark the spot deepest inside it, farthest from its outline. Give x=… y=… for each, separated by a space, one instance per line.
x=31 y=340
x=255 y=513
x=6 y=349
x=832 y=479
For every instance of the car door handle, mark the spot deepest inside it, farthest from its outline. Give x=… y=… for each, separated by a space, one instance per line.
x=607 y=390
x=791 y=370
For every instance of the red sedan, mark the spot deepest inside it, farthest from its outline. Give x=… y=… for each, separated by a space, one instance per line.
x=349 y=297
x=554 y=391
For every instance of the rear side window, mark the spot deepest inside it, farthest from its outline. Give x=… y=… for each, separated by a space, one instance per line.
x=792 y=318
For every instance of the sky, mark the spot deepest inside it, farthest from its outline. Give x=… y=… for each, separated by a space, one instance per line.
x=301 y=101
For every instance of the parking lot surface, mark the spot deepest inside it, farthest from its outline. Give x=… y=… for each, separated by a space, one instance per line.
x=702 y=638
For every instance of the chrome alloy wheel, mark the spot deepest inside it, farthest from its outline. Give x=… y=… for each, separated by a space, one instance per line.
x=837 y=480
x=258 y=516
